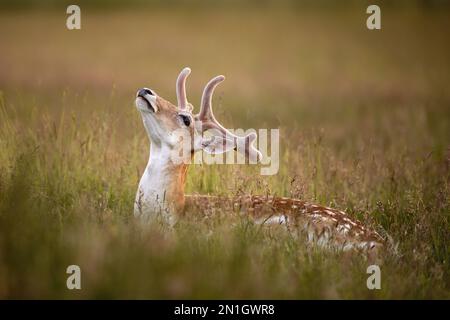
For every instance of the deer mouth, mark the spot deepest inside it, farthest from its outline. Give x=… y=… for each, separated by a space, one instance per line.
x=146 y=101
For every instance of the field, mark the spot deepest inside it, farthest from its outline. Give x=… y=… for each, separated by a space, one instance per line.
x=364 y=120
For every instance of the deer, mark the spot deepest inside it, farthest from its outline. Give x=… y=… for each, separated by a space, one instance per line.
x=161 y=188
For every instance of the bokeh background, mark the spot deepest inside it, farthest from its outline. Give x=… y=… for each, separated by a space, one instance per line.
x=364 y=120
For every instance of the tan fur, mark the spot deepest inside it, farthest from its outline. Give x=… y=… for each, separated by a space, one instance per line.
x=327 y=226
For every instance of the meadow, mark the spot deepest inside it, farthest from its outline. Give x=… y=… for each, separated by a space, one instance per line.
x=364 y=119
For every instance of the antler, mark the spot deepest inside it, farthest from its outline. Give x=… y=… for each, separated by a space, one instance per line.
x=245 y=144
x=183 y=104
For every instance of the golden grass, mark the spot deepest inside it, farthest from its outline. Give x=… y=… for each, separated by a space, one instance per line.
x=364 y=119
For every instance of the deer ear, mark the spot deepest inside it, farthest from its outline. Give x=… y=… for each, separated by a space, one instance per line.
x=217 y=144
x=213 y=141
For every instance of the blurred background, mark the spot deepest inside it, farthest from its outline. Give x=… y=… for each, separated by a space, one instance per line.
x=295 y=57
x=365 y=126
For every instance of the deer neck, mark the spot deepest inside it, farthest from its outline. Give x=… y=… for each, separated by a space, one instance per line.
x=161 y=189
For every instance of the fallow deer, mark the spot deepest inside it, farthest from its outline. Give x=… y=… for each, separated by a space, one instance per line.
x=161 y=188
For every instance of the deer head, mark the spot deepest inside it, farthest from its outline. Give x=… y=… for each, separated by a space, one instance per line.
x=164 y=121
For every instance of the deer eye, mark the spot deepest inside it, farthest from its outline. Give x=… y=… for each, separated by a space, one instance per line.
x=186 y=119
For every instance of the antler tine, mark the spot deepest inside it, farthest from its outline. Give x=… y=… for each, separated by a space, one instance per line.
x=206 y=112
x=206 y=116
x=181 y=88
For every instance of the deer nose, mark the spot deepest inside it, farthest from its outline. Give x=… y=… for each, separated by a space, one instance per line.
x=144 y=91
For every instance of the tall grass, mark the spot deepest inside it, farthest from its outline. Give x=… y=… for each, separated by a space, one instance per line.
x=67 y=200
x=364 y=127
